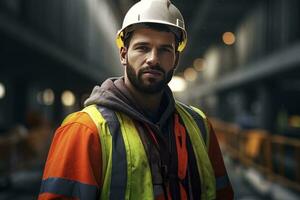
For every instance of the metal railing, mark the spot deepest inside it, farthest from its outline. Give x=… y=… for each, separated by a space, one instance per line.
x=275 y=156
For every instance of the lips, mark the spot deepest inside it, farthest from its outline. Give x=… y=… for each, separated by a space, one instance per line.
x=153 y=72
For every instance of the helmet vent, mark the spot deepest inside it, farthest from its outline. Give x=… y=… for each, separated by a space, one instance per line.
x=139 y=17
x=180 y=23
x=168 y=3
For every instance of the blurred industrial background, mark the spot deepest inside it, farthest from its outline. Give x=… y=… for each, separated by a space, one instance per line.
x=241 y=66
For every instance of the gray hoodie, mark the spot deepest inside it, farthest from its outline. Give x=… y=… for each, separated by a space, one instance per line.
x=113 y=94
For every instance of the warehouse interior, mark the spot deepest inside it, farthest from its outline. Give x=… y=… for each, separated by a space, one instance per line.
x=241 y=66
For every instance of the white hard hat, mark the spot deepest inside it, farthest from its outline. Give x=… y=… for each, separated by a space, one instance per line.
x=154 y=11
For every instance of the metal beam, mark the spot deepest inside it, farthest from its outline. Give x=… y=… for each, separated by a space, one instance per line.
x=280 y=62
x=33 y=40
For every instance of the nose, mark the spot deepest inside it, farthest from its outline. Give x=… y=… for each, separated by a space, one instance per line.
x=153 y=58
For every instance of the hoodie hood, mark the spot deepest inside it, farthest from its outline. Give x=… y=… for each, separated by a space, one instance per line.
x=114 y=95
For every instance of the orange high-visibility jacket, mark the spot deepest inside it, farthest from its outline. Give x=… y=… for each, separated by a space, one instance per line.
x=75 y=154
x=74 y=165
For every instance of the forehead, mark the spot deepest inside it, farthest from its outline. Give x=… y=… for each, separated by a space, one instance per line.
x=152 y=36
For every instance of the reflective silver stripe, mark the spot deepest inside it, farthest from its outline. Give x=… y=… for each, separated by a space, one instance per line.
x=119 y=161
x=222 y=182
x=69 y=188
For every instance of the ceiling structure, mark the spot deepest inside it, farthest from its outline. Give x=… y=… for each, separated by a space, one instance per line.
x=71 y=44
x=205 y=20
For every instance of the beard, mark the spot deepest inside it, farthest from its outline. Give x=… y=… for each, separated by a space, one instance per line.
x=154 y=86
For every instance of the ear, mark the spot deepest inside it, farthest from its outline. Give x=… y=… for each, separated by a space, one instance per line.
x=123 y=55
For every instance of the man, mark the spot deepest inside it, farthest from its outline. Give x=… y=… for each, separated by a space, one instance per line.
x=133 y=140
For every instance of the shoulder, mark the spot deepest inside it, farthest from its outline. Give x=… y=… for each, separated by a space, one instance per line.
x=76 y=131
x=198 y=117
x=79 y=119
x=75 y=148
x=191 y=109
x=75 y=127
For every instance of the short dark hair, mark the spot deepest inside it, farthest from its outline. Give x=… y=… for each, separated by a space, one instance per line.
x=128 y=32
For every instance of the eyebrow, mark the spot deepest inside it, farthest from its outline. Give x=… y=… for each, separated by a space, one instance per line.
x=140 y=43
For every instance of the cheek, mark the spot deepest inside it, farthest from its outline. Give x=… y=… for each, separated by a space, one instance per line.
x=168 y=62
x=135 y=59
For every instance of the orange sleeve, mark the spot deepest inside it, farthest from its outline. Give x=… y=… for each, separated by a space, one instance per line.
x=74 y=160
x=224 y=188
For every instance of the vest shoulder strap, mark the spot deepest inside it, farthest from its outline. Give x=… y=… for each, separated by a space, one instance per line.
x=69 y=118
x=95 y=115
x=200 y=119
x=99 y=120
x=125 y=165
x=195 y=122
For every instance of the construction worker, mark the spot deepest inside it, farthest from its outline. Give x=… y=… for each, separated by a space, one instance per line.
x=133 y=140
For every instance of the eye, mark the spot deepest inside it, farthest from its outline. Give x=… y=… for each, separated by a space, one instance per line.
x=142 y=48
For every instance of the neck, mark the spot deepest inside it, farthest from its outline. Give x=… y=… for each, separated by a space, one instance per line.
x=145 y=100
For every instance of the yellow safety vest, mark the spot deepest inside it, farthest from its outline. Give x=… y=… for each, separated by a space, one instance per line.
x=125 y=169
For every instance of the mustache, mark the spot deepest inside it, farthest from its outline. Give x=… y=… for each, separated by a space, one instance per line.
x=155 y=67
